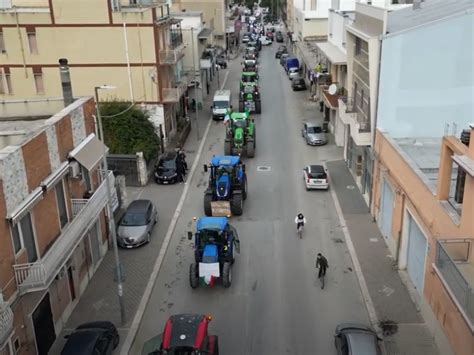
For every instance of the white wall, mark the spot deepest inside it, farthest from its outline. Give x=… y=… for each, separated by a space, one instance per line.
x=427 y=79
x=337 y=27
x=188 y=22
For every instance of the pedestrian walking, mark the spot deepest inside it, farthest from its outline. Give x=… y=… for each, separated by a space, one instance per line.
x=322 y=264
x=180 y=171
x=182 y=159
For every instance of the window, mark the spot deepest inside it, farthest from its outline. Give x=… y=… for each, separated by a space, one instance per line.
x=358 y=45
x=23 y=237
x=3 y=49
x=39 y=84
x=32 y=41
x=59 y=188
x=86 y=178
x=362 y=99
x=5 y=81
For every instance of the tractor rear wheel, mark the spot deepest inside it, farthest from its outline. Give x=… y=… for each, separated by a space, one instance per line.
x=236 y=205
x=226 y=275
x=244 y=186
x=241 y=106
x=193 y=275
x=258 y=106
x=207 y=204
x=228 y=147
x=250 y=148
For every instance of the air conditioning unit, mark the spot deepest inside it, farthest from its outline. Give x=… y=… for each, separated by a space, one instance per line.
x=74 y=169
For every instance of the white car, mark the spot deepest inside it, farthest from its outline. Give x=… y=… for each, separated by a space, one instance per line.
x=265 y=41
x=316 y=177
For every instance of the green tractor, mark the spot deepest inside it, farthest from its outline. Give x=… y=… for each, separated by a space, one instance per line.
x=240 y=135
x=249 y=98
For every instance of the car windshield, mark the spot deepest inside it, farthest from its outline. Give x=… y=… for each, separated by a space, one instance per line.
x=299 y=81
x=318 y=175
x=315 y=129
x=221 y=104
x=133 y=219
x=167 y=164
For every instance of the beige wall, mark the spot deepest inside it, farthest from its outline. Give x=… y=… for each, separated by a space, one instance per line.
x=413 y=194
x=66 y=11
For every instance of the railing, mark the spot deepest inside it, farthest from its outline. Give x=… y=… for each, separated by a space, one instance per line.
x=451 y=256
x=37 y=276
x=174 y=94
x=171 y=56
x=6 y=322
x=364 y=123
x=349 y=102
x=77 y=205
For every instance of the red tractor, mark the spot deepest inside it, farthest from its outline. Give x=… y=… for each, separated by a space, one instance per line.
x=184 y=334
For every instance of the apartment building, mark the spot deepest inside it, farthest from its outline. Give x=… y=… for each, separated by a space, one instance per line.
x=423 y=186
x=53 y=224
x=141 y=58
x=214 y=17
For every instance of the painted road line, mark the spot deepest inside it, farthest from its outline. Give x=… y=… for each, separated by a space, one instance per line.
x=159 y=261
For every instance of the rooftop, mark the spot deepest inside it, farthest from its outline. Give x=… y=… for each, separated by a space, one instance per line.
x=429 y=11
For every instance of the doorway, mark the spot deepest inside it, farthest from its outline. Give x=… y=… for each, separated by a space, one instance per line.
x=44 y=326
x=70 y=281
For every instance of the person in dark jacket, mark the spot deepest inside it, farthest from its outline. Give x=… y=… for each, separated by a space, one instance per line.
x=322 y=263
x=180 y=171
x=182 y=158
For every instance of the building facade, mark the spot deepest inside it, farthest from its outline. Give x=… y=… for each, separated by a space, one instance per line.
x=53 y=224
x=142 y=58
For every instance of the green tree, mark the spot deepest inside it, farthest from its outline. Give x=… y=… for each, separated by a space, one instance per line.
x=129 y=130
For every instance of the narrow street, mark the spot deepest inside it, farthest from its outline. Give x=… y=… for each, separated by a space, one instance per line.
x=275 y=304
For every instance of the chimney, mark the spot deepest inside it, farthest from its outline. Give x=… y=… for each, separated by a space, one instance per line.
x=461 y=178
x=416 y=4
x=65 y=82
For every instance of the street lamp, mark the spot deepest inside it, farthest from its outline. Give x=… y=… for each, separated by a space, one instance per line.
x=195 y=86
x=109 y=200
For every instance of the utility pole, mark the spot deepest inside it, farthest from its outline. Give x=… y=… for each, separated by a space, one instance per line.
x=195 y=86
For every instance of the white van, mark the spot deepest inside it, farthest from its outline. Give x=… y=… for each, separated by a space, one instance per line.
x=221 y=103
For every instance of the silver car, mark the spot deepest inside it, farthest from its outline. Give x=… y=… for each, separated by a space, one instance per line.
x=137 y=224
x=293 y=73
x=314 y=133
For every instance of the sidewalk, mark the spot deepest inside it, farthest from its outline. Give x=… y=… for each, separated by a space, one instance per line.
x=99 y=300
x=404 y=327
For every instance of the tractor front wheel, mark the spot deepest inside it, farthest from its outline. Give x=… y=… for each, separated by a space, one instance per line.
x=236 y=205
x=228 y=147
x=193 y=275
x=258 y=106
x=207 y=204
x=226 y=275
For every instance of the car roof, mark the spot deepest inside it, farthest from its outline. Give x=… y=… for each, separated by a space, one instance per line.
x=312 y=124
x=218 y=223
x=82 y=342
x=184 y=330
x=225 y=160
x=362 y=342
x=316 y=169
x=138 y=206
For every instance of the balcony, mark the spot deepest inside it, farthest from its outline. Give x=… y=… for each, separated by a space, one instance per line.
x=360 y=127
x=454 y=265
x=37 y=276
x=171 y=95
x=6 y=322
x=171 y=56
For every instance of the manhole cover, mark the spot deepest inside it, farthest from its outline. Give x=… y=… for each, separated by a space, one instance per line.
x=350 y=187
x=263 y=168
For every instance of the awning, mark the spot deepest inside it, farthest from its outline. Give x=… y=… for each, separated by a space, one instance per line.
x=331 y=52
x=26 y=205
x=56 y=176
x=332 y=101
x=89 y=152
x=205 y=33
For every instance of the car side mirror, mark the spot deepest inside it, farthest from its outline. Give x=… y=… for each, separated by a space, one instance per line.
x=205 y=168
x=190 y=235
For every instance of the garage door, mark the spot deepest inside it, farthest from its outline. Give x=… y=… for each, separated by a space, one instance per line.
x=416 y=254
x=386 y=210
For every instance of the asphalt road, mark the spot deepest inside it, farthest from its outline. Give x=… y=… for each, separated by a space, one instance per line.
x=275 y=304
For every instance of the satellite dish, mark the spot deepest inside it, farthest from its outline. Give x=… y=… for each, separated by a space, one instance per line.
x=332 y=89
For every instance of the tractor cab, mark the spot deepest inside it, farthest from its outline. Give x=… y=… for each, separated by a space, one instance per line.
x=184 y=334
x=249 y=77
x=215 y=242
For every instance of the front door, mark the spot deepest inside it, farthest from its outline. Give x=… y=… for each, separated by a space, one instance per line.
x=416 y=254
x=44 y=326
x=386 y=210
x=94 y=244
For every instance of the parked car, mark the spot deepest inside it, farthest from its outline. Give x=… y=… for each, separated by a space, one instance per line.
x=316 y=178
x=298 y=84
x=221 y=62
x=280 y=51
x=283 y=58
x=93 y=338
x=265 y=41
x=137 y=224
x=270 y=35
x=356 y=339
x=165 y=170
x=279 y=37
x=293 y=73
x=314 y=134
x=245 y=38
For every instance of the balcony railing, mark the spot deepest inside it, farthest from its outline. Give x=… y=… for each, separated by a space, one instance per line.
x=452 y=262
x=349 y=104
x=174 y=94
x=38 y=275
x=6 y=322
x=172 y=56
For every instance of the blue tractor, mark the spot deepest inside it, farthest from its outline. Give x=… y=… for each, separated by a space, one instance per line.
x=227 y=187
x=215 y=242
